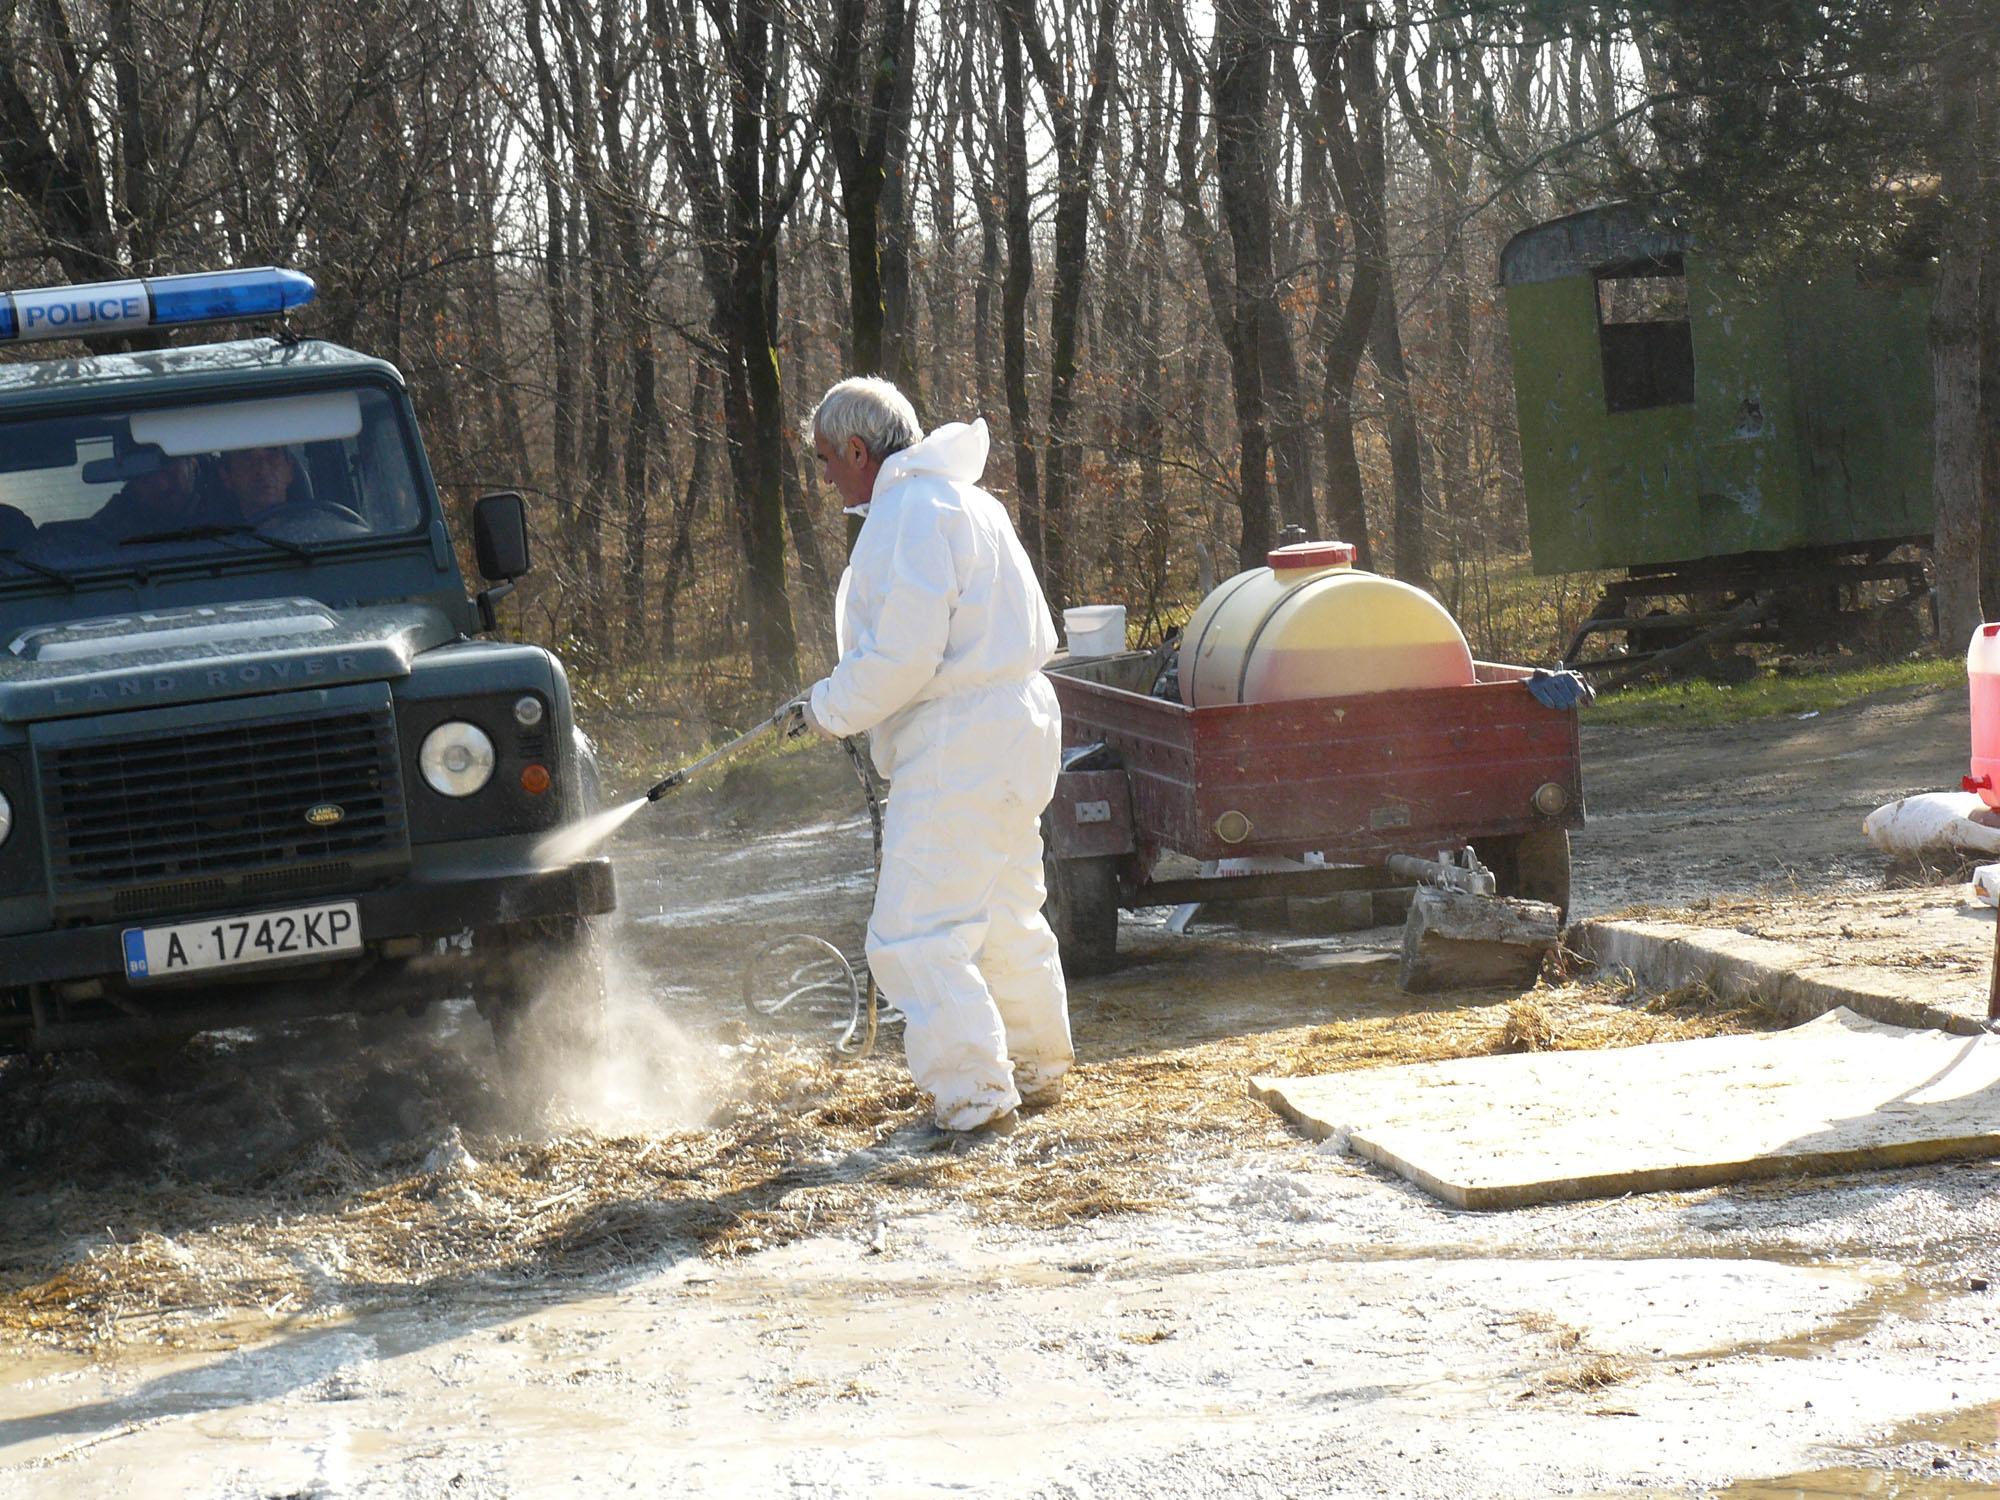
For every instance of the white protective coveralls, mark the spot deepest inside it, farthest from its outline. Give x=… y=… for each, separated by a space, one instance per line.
x=943 y=633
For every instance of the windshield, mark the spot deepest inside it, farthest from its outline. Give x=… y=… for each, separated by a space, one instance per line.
x=131 y=490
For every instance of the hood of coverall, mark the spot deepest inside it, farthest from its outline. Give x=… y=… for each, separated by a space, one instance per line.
x=955 y=452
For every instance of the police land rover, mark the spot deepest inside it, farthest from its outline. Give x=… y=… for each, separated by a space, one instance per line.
x=254 y=764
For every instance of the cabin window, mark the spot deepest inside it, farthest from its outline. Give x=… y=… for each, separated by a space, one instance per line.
x=1643 y=335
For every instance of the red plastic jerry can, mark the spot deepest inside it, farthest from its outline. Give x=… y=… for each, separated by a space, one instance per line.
x=1982 y=671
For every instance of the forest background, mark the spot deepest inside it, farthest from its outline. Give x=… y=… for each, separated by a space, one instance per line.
x=1209 y=268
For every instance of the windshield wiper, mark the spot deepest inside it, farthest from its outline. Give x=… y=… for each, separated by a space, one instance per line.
x=211 y=529
x=13 y=555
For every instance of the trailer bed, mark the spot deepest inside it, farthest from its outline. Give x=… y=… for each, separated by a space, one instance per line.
x=1351 y=778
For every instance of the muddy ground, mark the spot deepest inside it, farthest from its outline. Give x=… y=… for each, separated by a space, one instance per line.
x=356 y=1260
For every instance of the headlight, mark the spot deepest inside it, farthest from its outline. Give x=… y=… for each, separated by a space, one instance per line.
x=528 y=711
x=6 y=818
x=456 y=758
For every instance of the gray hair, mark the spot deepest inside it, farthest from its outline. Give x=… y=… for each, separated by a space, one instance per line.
x=872 y=409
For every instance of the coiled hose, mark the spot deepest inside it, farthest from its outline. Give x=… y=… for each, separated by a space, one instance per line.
x=822 y=970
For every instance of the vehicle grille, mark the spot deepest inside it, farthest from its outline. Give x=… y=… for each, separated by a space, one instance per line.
x=168 y=809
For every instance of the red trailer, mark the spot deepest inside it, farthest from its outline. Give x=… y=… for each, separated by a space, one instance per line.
x=1351 y=780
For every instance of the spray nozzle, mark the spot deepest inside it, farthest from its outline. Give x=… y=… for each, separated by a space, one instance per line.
x=687 y=773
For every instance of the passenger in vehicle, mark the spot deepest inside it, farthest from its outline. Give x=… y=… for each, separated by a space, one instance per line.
x=160 y=501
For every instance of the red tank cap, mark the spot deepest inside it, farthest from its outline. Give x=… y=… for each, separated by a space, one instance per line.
x=1301 y=555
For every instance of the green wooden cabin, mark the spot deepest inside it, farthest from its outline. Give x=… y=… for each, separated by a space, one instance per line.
x=1672 y=411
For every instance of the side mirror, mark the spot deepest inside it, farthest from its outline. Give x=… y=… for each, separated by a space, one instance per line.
x=500 y=536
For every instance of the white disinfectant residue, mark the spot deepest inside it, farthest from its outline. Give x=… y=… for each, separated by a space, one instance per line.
x=572 y=841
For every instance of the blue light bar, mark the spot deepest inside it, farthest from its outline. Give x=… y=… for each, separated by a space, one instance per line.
x=71 y=312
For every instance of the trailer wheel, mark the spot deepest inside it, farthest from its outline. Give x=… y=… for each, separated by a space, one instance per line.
x=1531 y=866
x=547 y=999
x=1082 y=908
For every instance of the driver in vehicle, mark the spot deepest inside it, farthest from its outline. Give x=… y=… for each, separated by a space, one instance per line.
x=159 y=501
x=256 y=481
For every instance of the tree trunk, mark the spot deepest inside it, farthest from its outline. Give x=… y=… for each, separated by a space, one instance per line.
x=557 y=294
x=1074 y=110
x=597 y=480
x=1342 y=59
x=644 y=417
x=680 y=558
x=751 y=414
x=1406 y=453
x=899 y=333
x=1435 y=119
x=982 y=295
x=635 y=316
x=1955 y=429
x=869 y=89
x=1369 y=191
x=814 y=582
x=739 y=196
x=1989 y=350
x=1231 y=291
x=1149 y=436
x=1241 y=74
x=946 y=382
x=1957 y=437
x=1014 y=291
x=1078 y=130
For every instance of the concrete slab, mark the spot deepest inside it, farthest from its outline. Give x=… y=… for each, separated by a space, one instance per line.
x=1837 y=1094
x=1917 y=957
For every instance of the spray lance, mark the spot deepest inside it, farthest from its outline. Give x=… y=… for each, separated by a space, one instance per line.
x=729 y=751
x=833 y=970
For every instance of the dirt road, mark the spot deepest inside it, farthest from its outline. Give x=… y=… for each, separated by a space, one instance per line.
x=1678 y=816
x=347 y=1261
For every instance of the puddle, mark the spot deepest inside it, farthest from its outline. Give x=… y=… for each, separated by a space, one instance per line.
x=736 y=906
x=1974 y=1431
x=1846 y=1484
x=1902 y=1298
x=1942 y=1444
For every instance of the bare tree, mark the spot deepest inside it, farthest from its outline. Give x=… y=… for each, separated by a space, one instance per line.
x=871 y=93
x=1073 y=98
x=741 y=186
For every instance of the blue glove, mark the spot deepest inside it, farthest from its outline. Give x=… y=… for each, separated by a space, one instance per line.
x=1560 y=689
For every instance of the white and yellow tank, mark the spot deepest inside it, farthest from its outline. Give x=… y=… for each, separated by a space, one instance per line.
x=1312 y=625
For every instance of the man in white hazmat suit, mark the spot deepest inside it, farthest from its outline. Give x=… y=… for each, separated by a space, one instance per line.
x=943 y=632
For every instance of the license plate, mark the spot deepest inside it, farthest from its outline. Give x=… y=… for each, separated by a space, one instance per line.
x=230 y=942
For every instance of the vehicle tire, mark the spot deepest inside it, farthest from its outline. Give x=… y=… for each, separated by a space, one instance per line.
x=547 y=999
x=1082 y=908
x=1531 y=866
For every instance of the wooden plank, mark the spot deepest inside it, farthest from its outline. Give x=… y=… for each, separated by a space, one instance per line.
x=1455 y=941
x=1838 y=1094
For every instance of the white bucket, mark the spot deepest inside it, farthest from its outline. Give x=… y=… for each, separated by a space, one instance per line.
x=1095 y=629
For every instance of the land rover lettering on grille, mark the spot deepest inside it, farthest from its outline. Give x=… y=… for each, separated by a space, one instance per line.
x=325 y=814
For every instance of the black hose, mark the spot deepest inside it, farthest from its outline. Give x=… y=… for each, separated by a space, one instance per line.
x=831 y=970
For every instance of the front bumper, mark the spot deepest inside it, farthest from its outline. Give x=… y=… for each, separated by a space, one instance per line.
x=422 y=906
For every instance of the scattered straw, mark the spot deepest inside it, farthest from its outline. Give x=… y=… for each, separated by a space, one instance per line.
x=1592 y=1375
x=1528 y=1028
x=94 y=1247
